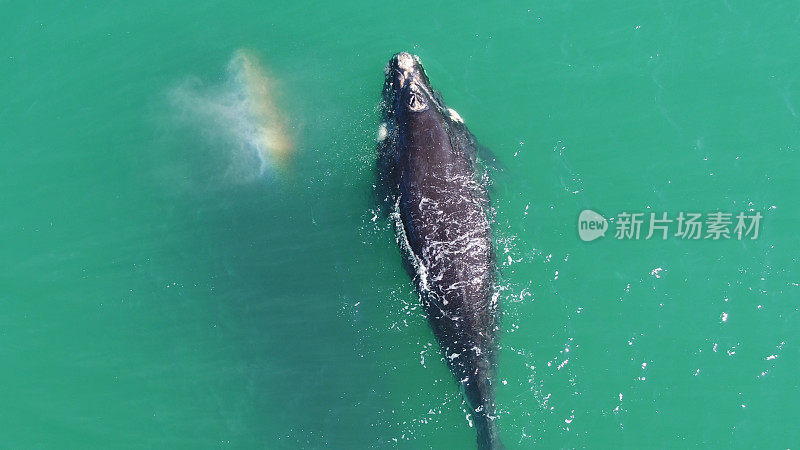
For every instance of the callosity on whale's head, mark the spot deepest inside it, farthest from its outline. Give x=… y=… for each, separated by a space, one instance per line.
x=407 y=86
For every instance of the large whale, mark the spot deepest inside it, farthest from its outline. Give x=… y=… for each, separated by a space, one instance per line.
x=428 y=166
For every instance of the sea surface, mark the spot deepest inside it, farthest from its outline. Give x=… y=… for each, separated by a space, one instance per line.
x=191 y=255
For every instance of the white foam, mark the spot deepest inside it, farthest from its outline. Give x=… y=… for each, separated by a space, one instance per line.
x=382 y=132
x=454 y=115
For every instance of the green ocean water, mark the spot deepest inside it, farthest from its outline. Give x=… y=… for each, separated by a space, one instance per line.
x=159 y=290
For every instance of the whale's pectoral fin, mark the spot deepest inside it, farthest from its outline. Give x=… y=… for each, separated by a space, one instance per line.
x=489 y=158
x=464 y=141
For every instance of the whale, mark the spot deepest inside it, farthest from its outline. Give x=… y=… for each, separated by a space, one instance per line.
x=435 y=188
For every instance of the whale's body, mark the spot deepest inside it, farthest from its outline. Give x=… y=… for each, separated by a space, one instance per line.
x=428 y=164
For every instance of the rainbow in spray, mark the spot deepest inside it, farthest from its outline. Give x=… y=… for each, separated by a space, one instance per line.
x=240 y=117
x=268 y=131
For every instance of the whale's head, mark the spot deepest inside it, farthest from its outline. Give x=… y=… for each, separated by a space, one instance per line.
x=407 y=87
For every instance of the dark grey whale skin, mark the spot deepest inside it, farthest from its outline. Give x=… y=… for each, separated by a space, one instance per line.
x=428 y=167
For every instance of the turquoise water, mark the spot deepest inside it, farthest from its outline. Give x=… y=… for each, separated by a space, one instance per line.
x=165 y=284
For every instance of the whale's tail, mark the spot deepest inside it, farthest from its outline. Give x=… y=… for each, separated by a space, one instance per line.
x=488 y=436
x=480 y=395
